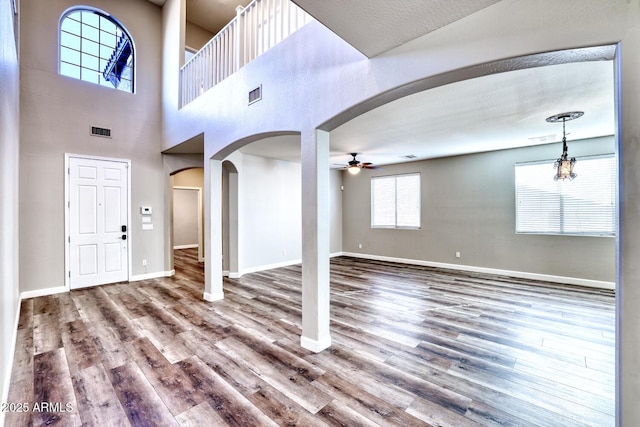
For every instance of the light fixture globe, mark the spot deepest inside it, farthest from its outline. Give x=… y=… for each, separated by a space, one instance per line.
x=564 y=165
x=354 y=169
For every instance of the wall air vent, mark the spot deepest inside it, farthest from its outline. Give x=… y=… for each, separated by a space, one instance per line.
x=103 y=132
x=255 y=95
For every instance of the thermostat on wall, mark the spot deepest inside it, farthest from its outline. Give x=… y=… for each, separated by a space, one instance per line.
x=145 y=210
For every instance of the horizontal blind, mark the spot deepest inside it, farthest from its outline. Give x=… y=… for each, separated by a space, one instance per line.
x=584 y=206
x=395 y=201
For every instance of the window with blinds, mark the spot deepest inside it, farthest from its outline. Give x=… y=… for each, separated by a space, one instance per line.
x=395 y=201
x=584 y=206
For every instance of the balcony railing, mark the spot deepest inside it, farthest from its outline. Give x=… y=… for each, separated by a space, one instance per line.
x=255 y=29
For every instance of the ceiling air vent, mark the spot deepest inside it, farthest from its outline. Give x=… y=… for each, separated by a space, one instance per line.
x=103 y=132
x=255 y=95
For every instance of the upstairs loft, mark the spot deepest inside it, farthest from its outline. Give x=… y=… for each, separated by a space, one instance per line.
x=255 y=29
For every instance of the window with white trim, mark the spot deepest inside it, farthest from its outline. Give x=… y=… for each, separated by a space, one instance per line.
x=95 y=48
x=395 y=201
x=583 y=206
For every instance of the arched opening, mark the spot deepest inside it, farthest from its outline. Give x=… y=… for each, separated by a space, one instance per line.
x=261 y=202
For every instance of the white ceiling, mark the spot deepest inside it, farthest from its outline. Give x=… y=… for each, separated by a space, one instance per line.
x=488 y=113
x=376 y=26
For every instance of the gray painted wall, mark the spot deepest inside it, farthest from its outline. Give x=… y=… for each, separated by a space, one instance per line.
x=468 y=206
x=186 y=211
x=57 y=114
x=9 y=156
x=335 y=211
x=270 y=213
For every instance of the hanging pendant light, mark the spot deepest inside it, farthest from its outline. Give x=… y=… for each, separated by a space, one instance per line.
x=564 y=165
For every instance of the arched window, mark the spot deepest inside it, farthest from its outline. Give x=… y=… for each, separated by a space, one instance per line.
x=96 y=48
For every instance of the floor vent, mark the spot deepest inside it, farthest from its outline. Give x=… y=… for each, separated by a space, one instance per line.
x=255 y=95
x=103 y=132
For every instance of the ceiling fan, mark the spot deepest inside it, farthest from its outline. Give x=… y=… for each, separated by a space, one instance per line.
x=355 y=165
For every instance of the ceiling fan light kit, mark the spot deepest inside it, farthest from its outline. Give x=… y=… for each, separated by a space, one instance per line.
x=354 y=165
x=564 y=165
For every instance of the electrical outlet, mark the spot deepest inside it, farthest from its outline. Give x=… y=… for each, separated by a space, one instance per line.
x=457 y=254
x=359 y=245
x=144 y=262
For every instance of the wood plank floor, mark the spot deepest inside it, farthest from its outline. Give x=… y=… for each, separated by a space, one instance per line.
x=411 y=346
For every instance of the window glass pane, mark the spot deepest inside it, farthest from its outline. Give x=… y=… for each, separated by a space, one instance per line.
x=69 y=56
x=89 y=32
x=70 y=40
x=70 y=70
x=90 y=62
x=70 y=25
x=74 y=16
x=408 y=200
x=89 y=75
x=91 y=18
x=395 y=201
x=105 y=52
x=108 y=40
x=585 y=205
x=383 y=197
x=108 y=27
x=104 y=82
x=90 y=47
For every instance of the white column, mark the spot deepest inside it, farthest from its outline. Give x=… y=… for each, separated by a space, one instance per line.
x=315 y=241
x=213 y=231
x=627 y=289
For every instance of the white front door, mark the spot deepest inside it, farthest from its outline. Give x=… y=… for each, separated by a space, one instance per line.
x=98 y=228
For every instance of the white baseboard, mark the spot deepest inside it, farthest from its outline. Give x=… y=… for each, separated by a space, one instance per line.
x=315 y=345
x=186 y=246
x=155 y=275
x=61 y=289
x=520 y=274
x=237 y=275
x=213 y=297
x=43 y=292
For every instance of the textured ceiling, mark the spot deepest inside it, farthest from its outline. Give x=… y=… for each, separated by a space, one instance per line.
x=212 y=15
x=375 y=26
x=494 y=112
